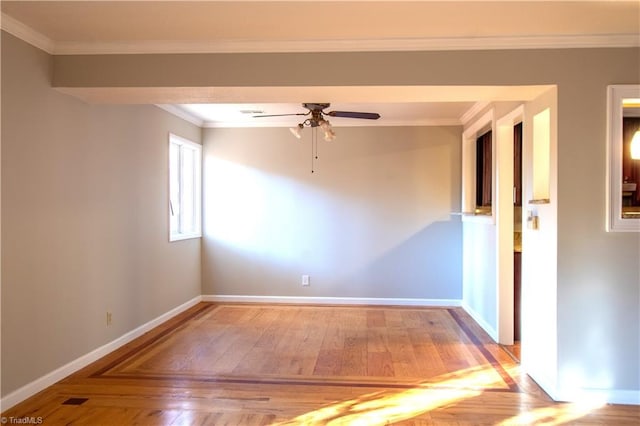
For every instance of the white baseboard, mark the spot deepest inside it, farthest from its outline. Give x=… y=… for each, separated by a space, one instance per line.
x=610 y=396
x=491 y=331
x=331 y=300
x=55 y=376
x=585 y=396
x=546 y=383
x=598 y=396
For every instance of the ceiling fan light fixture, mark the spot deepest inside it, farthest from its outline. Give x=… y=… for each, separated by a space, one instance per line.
x=317 y=119
x=297 y=131
x=324 y=125
x=329 y=135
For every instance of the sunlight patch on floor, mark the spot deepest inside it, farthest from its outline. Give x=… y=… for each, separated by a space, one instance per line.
x=551 y=416
x=382 y=408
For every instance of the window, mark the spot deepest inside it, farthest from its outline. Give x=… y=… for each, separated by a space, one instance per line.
x=185 y=165
x=483 y=173
x=517 y=165
x=478 y=170
x=623 y=171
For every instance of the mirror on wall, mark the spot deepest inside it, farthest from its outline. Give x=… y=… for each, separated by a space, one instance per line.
x=630 y=158
x=623 y=172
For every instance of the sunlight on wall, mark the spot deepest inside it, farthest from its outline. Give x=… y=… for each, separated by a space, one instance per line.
x=575 y=380
x=541 y=154
x=373 y=221
x=248 y=209
x=285 y=220
x=234 y=215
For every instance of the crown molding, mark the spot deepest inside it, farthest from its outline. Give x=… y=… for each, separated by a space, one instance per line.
x=181 y=113
x=26 y=33
x=193 y=119
x=371 y=45
x=473 y=111
x=31 y=36
x=351 y=123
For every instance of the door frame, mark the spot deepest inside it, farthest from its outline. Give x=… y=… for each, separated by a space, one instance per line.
x=504 y=209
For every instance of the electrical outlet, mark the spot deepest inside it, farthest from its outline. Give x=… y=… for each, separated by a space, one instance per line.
x=305 y=280
x=109 y=318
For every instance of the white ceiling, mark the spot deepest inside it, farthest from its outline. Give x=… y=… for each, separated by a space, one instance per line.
x=397 y=105
x=82 y=27
x=392 y=114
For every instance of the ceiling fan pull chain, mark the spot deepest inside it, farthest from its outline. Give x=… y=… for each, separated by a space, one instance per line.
x=313 y=138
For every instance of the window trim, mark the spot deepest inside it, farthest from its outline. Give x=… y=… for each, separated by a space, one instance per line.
x=197 y=148
x=614 y=220
x=481 y=165
x=470 y=135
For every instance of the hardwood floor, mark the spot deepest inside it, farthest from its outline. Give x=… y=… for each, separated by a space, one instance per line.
x=514 y=350
x=252 y=364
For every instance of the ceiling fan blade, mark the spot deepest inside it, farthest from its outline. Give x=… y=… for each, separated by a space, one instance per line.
x=353 y=114
x=279 y=115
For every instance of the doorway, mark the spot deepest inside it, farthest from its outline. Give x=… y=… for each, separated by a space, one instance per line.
x=517 y=240
x=510 y=160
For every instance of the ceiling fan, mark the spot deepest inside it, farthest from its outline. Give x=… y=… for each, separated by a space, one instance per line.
x=317 y=118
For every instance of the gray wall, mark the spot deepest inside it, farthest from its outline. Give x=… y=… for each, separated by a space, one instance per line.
x=598 y=272
x=373 y=220
x=84 y=220
x=598 y=275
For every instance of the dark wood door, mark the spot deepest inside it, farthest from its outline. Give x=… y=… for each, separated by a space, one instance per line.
x=517 y=164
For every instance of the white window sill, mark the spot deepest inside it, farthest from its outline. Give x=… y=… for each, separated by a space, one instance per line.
x=478 y=218
x=180 y=237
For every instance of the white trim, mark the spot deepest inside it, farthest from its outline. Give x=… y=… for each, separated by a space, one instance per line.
x=1 y=410
x=55 y=376
x=181 y=113
x=31 y=36
x=180 y=237
x=354 y=123
x=383 y=301
x=505 y=215
x=473 y=111
x=184 y=141
x=194 y=119
x=614 y=221
x=369 y=45
x=582 y=395
x=481 y=322
x=178 y=234
x=611 y=396
x=544 y=382
x=26 y=33
x=603 y=396
x=469 y=137
x=478 y=218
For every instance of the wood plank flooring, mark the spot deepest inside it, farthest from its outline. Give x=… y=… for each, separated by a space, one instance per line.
x=254 y=364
